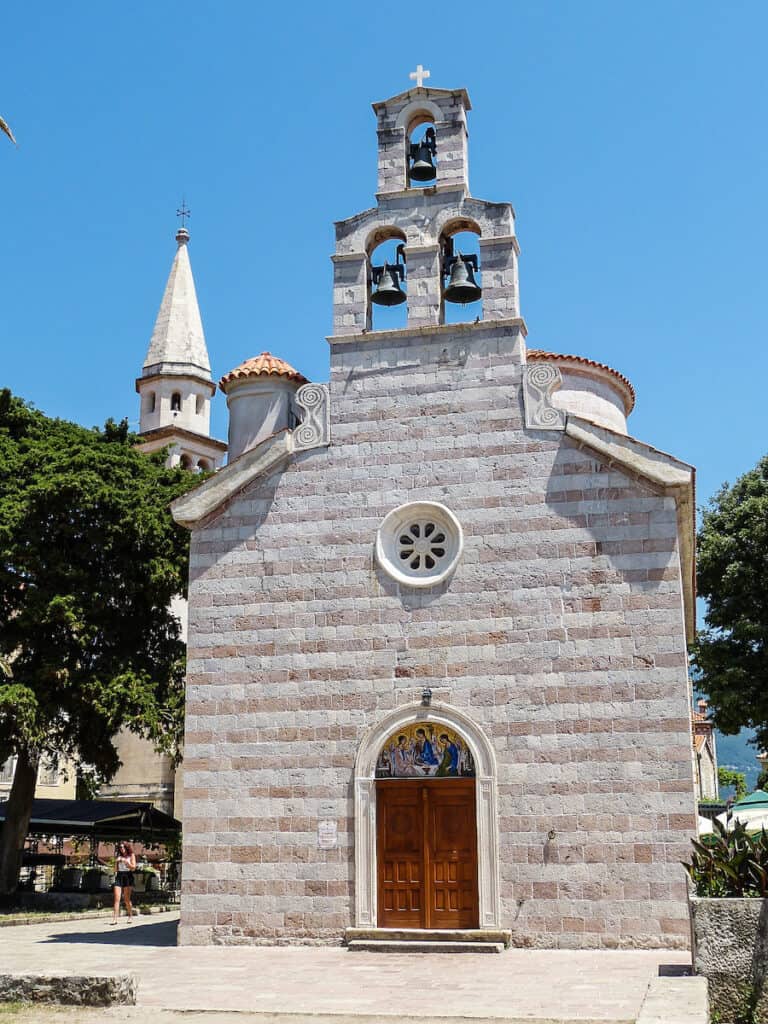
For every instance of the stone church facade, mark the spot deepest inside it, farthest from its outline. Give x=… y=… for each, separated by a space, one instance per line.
x=438 y=608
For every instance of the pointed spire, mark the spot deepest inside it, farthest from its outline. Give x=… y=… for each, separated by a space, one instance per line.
x=178 y=342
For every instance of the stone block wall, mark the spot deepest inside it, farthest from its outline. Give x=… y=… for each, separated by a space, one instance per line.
x=730 y=949
x=560 y=633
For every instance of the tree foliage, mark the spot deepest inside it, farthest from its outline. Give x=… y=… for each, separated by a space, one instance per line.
x=731 y=652
x=727 y=777
x=90 y=559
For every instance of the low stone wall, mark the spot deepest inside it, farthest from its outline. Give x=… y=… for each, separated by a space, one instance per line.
x=730 y=949
x=63 y=900
x=72 y=990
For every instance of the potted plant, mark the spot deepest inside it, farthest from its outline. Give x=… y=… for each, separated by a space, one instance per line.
x=728 y=872
x=145 y=878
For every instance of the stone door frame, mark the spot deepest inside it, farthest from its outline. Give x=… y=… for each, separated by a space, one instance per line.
x=366 y=902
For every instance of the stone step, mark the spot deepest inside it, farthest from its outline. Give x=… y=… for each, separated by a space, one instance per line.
x=464 y=935
x=412 y=946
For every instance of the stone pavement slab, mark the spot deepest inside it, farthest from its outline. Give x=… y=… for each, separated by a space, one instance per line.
x=675 y=1001
x=588 y=987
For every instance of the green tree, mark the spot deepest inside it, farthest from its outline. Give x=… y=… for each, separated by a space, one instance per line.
x=727 y=777
x=731 y=652
x=89 y=561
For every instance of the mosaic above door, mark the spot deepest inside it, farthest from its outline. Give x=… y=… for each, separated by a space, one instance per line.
x=425 y=750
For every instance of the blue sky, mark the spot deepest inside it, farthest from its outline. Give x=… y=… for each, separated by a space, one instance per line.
x=629 y=137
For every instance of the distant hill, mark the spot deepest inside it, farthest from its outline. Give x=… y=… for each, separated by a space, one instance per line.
x=736 y=752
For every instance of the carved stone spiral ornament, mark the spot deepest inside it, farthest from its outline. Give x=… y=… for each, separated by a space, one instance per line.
x=542 y=375
x=540 y=381
x=314 y=431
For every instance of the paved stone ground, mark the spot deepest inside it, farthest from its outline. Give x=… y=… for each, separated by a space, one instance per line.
x=324 y=984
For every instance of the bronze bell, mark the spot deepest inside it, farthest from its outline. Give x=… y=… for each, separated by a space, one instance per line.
x=423 y=168
x=462 y=287
x=387 y=280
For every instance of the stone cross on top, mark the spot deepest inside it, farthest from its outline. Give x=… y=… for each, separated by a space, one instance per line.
x=419 y=75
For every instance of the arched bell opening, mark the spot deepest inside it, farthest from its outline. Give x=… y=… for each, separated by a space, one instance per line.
x=203 y=466
x=421 y=152
x=185 y=462
x=387 y=287
x=461 y=291
x=176 y=401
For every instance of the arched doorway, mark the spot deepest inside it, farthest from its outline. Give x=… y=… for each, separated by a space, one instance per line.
x=426 y=833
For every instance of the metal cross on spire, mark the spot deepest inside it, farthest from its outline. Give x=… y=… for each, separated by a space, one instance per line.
x=419 y=75
x=183 y=212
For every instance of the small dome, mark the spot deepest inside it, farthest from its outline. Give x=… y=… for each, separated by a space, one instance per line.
x=588 y=367
x=264 y=365
x=590 y=390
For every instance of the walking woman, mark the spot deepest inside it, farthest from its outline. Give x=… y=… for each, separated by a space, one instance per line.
x=125 y=866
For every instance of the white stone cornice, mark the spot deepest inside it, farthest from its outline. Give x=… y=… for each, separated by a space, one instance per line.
x=415 y=248
x=347 y=257
x=199 y=503
x=431 y=329
x=383 y=198
x=659 y=468
x=487 y=240
x=314 y=431
x=668 y=474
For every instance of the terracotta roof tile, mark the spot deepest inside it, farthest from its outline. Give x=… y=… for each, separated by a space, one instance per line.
x=538 y=354
x=264 y=365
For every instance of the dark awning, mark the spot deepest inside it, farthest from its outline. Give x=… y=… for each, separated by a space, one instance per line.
x=34 y=860
x=101 y=819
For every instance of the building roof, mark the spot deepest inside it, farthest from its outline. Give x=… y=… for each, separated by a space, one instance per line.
x=423 y=92
x=106 y=819
x=173 y=433
x=178 y=344
x=263 y=365
x=536 y=355
x=757 y=799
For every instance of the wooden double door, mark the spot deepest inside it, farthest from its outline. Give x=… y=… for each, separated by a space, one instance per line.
x=427 y=853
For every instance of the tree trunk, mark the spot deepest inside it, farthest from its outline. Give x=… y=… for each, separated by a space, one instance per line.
x=18 y=811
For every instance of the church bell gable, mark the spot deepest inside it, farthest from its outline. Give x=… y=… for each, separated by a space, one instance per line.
x=424 y=215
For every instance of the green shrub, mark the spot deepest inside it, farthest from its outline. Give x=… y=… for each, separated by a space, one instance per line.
x=730 y=864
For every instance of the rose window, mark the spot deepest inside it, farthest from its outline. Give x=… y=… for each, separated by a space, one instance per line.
x=422 y=545
x=419 y=544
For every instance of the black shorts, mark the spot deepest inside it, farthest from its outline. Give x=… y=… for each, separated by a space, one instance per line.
x=124 y=879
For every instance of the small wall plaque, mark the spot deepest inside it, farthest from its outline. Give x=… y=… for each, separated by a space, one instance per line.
x=327 y=834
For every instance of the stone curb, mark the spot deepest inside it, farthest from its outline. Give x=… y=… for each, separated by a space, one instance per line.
x=87 y=915
x=675 y=1001
x=346 y=1017
x=69 y=990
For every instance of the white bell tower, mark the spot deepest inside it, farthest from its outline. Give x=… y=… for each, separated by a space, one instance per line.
x=175 y=386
